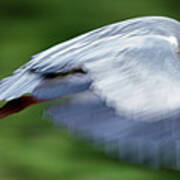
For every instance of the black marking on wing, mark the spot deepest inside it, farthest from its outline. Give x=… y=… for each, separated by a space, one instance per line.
x=52 y=75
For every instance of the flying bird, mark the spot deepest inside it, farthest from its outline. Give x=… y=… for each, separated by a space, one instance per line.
x=121 y=83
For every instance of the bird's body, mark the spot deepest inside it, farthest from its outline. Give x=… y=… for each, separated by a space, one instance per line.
x=125 y=81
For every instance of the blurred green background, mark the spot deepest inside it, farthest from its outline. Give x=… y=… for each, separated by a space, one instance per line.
x=31 y=147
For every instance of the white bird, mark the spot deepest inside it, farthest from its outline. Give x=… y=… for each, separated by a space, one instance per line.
x=122 y=82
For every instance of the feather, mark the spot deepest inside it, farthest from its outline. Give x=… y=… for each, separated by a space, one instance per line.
x=123 y=82
x=86 y=116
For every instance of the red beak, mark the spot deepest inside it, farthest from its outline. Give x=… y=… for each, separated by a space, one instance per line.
x=17 y=105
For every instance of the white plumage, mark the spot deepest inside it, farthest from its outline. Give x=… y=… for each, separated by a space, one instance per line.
x=125 y=81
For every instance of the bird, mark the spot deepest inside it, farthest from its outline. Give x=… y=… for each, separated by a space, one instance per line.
x=119 y=86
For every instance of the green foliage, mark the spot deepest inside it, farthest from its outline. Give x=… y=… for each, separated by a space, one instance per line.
x=32 y=148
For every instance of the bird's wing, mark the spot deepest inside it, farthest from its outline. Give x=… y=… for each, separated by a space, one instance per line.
x=140 y=78
x=132 y=106
x=73 y=54
x=86 y=116
x=133 y=65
